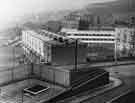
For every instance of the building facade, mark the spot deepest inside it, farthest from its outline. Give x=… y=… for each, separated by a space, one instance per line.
x=91 y=36
x=124 y=39
x=33 y=45
x=46 y=47
x=100 y=42
x=119 y=38
x=76 y=20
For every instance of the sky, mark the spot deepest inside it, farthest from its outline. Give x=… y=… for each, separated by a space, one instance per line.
x=11 y=9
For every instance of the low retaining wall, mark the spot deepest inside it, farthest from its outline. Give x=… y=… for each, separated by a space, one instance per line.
x=54 y=75
x=64 y=77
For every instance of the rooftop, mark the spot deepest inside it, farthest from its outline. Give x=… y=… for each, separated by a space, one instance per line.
x=47 y=36
x=90 y=29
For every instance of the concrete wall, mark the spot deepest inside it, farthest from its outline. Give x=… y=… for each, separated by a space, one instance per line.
x=55 y=75
x=65 y=77
x=94 y=81
x=65 y=54
x=16 y=73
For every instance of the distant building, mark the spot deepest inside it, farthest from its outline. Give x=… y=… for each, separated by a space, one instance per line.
x=52 y=26
x=106 y=19
x=124 y=37
x=78 y=21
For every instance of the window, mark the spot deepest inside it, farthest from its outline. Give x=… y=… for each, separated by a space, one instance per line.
x=118 y=35
x=124 y=38
x=68 y=34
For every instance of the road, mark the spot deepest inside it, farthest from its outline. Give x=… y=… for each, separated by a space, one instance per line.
x=127 y=74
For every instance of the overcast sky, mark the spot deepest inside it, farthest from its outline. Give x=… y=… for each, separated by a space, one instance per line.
x=10 y=9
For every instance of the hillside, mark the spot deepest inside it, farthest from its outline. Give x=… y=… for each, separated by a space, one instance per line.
x=120 y=10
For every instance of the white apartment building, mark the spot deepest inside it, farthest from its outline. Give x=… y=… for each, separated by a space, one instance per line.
x=32 y=41
x=40 y=42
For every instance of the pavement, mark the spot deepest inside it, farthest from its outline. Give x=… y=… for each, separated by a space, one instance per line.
x=97 y=64
x=105 y=64
x=13 y=93
x=123 y=97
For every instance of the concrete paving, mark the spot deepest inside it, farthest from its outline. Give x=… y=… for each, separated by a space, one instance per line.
x=13 y=93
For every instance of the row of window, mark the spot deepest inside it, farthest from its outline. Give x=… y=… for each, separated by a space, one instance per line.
x=32 y=42
x=35 y=57
x=97 y=39
x=90 y=35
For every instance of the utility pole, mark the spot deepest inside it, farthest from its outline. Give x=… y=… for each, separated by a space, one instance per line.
x=76 y=53
x=115 y=50
x=22 y=96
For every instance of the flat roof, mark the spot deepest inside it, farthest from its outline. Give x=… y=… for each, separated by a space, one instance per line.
x=67 y=30
x=45 y=38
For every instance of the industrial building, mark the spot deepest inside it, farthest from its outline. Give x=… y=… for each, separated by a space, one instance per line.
x=100 y=42
x=91 y=36
x=119 y=38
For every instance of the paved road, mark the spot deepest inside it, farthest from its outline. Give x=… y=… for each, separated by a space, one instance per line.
x=125 y=73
